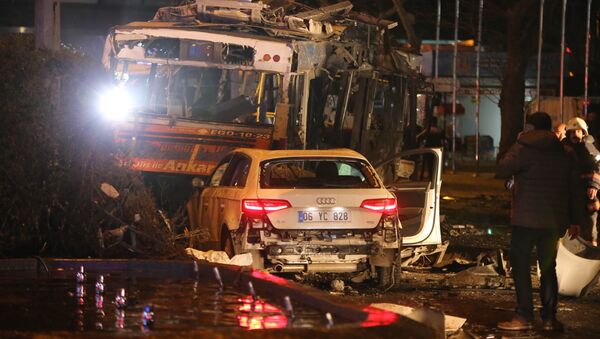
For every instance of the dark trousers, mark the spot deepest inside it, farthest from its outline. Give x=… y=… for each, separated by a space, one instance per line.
x=523 y=241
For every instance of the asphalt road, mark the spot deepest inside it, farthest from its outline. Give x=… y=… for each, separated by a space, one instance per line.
x=482 y=308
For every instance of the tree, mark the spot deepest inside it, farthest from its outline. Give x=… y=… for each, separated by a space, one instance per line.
x=520 y=45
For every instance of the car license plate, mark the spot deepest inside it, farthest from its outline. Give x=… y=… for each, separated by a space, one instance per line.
x=324 y=216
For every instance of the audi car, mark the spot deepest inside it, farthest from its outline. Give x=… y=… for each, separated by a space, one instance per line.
x=303 y=211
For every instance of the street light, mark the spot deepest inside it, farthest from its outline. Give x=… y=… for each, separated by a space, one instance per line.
x=116 y=103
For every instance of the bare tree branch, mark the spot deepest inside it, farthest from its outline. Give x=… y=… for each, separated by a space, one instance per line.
x=408 y=21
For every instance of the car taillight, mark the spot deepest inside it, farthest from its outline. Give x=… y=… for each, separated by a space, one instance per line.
x=260 y=206
x=385 y=206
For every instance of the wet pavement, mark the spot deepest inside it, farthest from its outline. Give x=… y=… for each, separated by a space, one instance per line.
x=475 y=221
x=54 y=298
x=482 y=307
x=39 y=304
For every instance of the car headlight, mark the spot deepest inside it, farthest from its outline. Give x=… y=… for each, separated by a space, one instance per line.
x=116 y=103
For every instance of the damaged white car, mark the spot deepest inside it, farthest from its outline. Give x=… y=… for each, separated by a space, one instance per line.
x=303 y=211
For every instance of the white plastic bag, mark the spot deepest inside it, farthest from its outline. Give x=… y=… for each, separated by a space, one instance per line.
x=576 y=273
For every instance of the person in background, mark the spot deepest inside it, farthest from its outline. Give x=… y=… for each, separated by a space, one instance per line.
x=541 y=210
x=588 y=158
x=593 y=123
x=432 y=137
x=560 y=130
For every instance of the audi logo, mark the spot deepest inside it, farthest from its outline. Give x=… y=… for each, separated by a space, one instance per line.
x=325 y=201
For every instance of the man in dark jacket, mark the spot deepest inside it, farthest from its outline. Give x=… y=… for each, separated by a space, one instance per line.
x=544 y=171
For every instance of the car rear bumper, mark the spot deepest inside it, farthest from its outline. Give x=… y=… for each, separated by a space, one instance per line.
x=320 y=257
x=328 y=267
x=319 y=250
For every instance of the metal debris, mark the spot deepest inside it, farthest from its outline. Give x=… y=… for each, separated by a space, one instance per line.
x=109 y=190
x=440 y=322
x=337 y=285
x=425 y=255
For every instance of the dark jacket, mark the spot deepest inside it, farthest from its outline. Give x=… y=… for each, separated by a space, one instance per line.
x=545 y=173
x=588 y=157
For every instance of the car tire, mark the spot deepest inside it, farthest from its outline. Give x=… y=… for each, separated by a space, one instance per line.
x=384 y=276
x=227 y=242
x=388 y=276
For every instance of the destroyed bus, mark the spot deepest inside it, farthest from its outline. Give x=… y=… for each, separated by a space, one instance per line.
x=203 y=79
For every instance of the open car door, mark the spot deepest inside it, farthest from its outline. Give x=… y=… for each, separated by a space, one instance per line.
x=414 y=177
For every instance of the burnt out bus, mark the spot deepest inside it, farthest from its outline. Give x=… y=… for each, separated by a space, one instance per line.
x=203 y=79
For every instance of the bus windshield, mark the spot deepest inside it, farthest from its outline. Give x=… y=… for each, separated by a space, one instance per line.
x=201 y=93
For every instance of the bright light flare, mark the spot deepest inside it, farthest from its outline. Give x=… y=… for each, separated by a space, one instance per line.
x=116 y=103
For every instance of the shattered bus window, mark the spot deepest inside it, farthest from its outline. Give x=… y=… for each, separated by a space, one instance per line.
x=203 y=94
x=163 y=48
x=219 y=53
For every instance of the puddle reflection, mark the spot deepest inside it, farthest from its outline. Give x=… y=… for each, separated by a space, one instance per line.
x=150 y=305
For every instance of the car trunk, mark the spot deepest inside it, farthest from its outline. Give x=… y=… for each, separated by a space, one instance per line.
x=323 y=208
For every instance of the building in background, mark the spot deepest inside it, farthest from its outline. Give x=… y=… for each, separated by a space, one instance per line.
x=492 y=66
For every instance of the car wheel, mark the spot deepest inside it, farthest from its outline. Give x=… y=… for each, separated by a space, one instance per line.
x=391 y=274
x=384 y=276
x=388 y=276
x=227 y=243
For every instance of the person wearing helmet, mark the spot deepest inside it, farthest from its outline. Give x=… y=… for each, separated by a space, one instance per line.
x=542 y=207
x=588 y=158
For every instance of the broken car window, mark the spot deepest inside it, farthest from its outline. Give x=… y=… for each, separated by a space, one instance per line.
x=317 y=173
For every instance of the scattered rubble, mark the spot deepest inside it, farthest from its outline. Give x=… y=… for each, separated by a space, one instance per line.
x=449 y=324
x=483 y=236
x=423 y=256
x=337 y=285
x=477 y=277
x=220 y=257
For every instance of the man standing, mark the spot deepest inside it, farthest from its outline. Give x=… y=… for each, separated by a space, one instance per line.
x=540 y=213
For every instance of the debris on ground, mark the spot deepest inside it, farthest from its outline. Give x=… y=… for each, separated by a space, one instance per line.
x=488 y=271
x=478 y=277
x=479 y=206
x=361 y=277
x=458 y=230
x=337 y=285
x=484 y=235
x=451 y=324
x=423 y=256
x=220 y=257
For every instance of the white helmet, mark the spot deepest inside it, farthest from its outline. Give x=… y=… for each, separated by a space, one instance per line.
x=577 y=123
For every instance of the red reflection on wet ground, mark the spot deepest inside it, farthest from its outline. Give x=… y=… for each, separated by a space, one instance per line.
x=270 y=277
x=258 y=315
x=259 y=322
x=250 y=305
x=377 y=317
